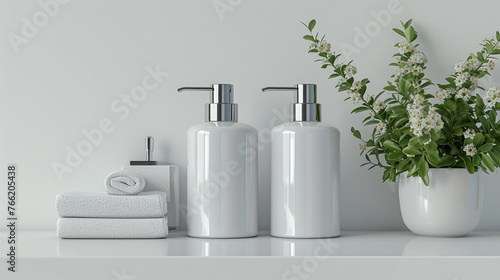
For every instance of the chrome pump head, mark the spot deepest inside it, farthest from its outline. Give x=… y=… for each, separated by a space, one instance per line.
x=305 y=108
x=221 y=107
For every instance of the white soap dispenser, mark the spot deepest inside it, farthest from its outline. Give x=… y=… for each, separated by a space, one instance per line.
x=222 y=170
x=304 y=171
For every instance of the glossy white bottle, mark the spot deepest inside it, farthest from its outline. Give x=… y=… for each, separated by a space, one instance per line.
x=222 y=171
x=305 y=171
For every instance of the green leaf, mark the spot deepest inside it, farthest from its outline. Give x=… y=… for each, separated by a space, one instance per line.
x=479 y=101
x=496 y=51
x=390 y=88
x=395 y=156
x=489 y=139
x=372 y=122
x=484 y=123
x=401 y=166
x=488 y=47
x=410 y=34
x=423 y=167
x=392 y=175
x=492 y=115
x=396 y=134
x=356 y=133
x=483 y=73
x=411 y=151
x=370 y=143
x=332 y=60
x=476 y=160
x=488 y=162
x=407 y=24
x=431 y=147
x=391 y=145
x=309 y=37
x=424 y=139
x=415 y=143
x=498 y=36
x=480 y=56
x=425 y=179
x=386 y=175
x=360 y=109
x=458 y=132
x=311 y=25
x=446 y=160
x=478 y=139
x=399 y=32
x=495 y=156
x=433 y=158
x=485 y=148
x=413 y=169
x=468 y=165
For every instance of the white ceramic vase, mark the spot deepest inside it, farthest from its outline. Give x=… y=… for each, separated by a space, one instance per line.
x=449 y=207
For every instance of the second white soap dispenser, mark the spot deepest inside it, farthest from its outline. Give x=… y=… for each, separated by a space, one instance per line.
x=222 y=170
x=304 y=171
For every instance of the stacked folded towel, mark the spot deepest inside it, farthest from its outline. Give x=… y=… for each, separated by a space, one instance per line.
x=105 y=215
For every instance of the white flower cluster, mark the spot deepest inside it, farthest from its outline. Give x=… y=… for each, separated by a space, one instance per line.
x=399 y=73
x=415 y=61
x=491 y=65
x=461 y=78
x=492 y=97
x=405 y=47
x=469 y=134
x=471 y=64
x=341 y=81
x=324 y=46
x=379 y=105
x=464 y=93
x=353 y=92
x=356 y=86
x=419 y=123
x=362 y=147
x=442 y=94
x=354 y=95
x=350 y=71
x=418 y=57
x=380 y=128
x=417 y=70
x=470 y=150
x=460 y=66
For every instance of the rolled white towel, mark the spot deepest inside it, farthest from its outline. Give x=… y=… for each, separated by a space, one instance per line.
x=124 y=182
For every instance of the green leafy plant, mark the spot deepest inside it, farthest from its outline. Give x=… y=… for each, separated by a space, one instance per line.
x=414 y=129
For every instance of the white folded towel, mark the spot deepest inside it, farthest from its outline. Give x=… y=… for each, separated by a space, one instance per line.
x=112 y=228
x=81 y=204
x=124 y=182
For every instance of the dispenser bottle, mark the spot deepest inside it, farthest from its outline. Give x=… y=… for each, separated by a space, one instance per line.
x=305 y=171
x=222 y=170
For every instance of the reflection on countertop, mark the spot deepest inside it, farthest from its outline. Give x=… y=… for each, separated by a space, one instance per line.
x=45 y=244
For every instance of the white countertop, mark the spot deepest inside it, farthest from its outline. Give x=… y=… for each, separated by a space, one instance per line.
x=45 y=244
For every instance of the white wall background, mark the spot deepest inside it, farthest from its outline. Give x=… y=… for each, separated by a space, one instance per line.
x=66 y=76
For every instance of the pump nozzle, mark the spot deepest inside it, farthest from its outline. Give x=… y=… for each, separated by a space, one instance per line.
x=305 y=107
x=221 y=107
